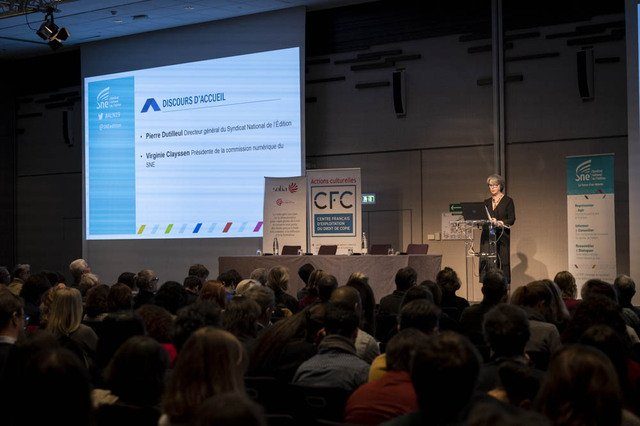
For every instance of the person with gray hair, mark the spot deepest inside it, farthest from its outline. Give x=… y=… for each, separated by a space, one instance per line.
x=502 y=212
x=260 y=275
x=626 y=289
x=267 y=301
x=77 y=268
x=5 y=276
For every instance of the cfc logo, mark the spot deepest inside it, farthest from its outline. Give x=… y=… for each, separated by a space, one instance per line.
x=323 y=199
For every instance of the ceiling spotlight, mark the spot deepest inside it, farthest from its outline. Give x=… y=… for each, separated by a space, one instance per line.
x=51 y=33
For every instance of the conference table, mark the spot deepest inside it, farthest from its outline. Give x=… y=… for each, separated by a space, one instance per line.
x=381 y=270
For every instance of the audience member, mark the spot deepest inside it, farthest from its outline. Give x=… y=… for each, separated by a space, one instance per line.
x=95 y=305
x=304 y=272
x=448 y=281
x=312 y=290
x=360 y=282
x=494 y=291
x=245 y=285
x=567 y=285
x=171 y=296
x=558 y=312
x=193 y=317
x=45 y=305
x=582 y=388
x=20 y=275
x=11 y=325
x=240 y=319
x=146 y=281
x=65 y=324
x=278 y=281
x=348 y=298
x=281 y=349
x=128 y=279
x=230 y=280
x=87 y=281
x=114 y=330
x=200 y=271
x=213 y=290
x=5 y=276
x=158 y=323
x=192 y=287
x=416 y=292
x=626 y=288
x=32 y=290
x=266 y=299
x=120 y=298
x=260 y=275
x=77 y=268
x=336 y=365
x=405 y=278
x=393 y=394
x=211 y=362
x=506 y=330
x=536 y=299
x=596 y=310
x=444 y=372
x=135 y=378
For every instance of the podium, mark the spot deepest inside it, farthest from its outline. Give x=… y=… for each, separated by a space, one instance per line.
x=479 y=257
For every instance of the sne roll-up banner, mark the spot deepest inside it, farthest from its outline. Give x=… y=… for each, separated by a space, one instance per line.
x=285 y=212
x=335 y=207
x=591 y=218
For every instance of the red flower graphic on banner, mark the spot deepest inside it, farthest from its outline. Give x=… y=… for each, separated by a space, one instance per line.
x=293 y=187
x=279 y=201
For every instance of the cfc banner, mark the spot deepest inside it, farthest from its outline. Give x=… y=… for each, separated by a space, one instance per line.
x=591 y=218
x=285 y=212
x=335 y=209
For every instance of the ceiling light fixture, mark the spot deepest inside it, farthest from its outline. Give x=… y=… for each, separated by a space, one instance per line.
x=51 y=33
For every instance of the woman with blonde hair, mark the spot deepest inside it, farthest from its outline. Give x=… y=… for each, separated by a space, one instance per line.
x=64 y=322
x=214 y=291
x=211 y=362
x=278 y=281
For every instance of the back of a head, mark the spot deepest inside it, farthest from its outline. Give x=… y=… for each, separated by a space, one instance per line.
x=136 y=373
x=77 y=268
x=5 y=276
x=11 y=307
x=595 y=310
x=420 y=314
x=326 y=284
x=120 y=298
x=567 y=284
x=444 y=373
x=532 y=294
x=278 y=278
x=158 y=322
x=596 y=287
x=65 y=312
x=581 y=387
x=346 y=298
x=245 y=285
x=506 y=329
x=146 y=280
x=448 y=281
x=340 y=321
x=230 y=278
x=214 y=290
x=240 y=316
x=115 y=329
x=22 y=271
x=54 y=380
x=401 y=348
x=96 y=300
x=416 y=292
x=87 y=281
x=625 y=287
x=230 y=409
x=128 y=278
x=264 y=296
x=305 y=271
x=212 y=361
x=605 y=339
x=171 y=296
x=192 y=317
x=405 y=278
x=34 y=287
x=192 y=283
x=494 y=286
x=260 y=275
x=199 y=271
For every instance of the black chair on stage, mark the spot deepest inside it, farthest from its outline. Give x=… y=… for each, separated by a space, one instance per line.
x=417 y=248
x=290 y=250
x=380 y=248
x=328 y=249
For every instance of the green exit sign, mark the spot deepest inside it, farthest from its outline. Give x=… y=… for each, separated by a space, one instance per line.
x=455 y=208
x=368 y=198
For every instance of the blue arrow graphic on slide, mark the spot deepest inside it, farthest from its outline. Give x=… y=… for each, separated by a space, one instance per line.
x=150 y=103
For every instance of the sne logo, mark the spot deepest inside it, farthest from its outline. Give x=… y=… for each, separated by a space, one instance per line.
x=583 y=171
x=102 y=99
x=150 y=103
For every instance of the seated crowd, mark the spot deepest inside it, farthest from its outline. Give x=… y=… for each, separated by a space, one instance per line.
x=243 y=351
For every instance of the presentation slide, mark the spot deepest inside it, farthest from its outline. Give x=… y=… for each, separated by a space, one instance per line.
x=181 y=151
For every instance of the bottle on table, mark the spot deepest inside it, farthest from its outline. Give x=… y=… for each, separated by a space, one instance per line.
x=365 y=244
x=276 y=246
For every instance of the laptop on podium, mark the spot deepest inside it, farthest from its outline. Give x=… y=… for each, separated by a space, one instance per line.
x=474 y=211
